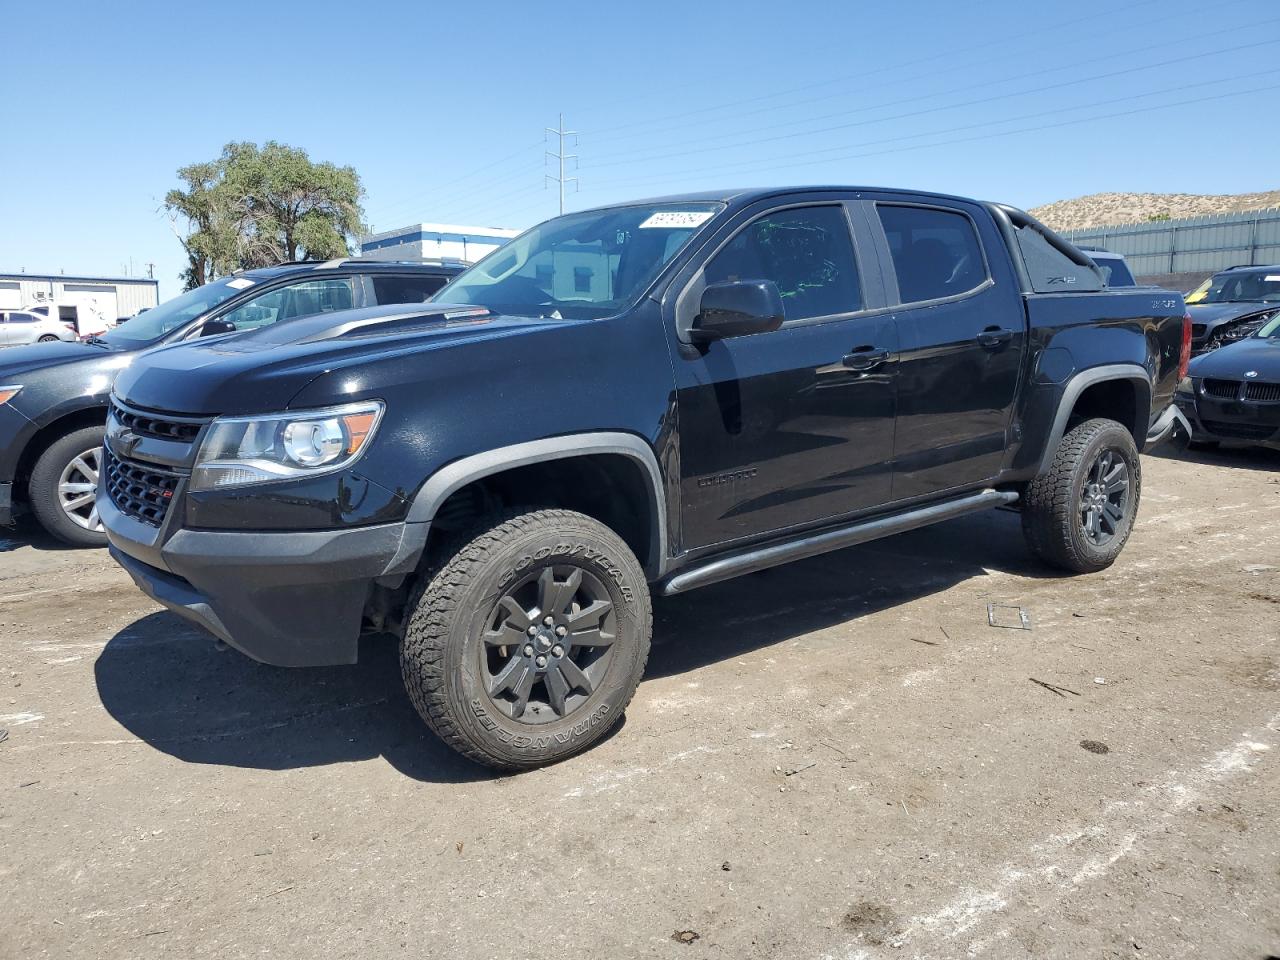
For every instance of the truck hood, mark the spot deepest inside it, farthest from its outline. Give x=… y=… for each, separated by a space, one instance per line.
x=1212 y=314
x=263 y=370
x=17 y=362
x=1233 y=361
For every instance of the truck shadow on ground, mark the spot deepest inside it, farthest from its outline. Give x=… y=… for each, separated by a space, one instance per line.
x=166 y=683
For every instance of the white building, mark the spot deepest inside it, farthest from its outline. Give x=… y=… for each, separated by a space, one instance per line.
x=434 y=241
x=90 y=304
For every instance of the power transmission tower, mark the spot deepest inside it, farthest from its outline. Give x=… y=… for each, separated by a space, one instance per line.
x=561 y=157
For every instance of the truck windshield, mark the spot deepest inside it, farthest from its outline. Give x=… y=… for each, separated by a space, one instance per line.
x=581 y=266
x=148 y=327
x=1257 y=286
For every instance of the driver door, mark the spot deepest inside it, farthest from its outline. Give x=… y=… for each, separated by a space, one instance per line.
x=792 y=426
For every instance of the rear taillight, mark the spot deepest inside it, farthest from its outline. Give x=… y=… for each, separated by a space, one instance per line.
x=70 y=327
x=1184 y=357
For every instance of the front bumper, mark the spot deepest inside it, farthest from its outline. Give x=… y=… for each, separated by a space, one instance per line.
x=1234 y=420
x=290 y=599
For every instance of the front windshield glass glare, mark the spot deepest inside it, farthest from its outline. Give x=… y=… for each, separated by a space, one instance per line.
x=581 y=266
x=1254 y=286
x=169 y=316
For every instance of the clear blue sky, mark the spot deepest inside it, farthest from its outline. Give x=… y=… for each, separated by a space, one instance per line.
x=441 y=106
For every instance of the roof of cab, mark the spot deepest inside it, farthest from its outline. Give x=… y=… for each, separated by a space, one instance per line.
x=359 y=265
x=746 y=195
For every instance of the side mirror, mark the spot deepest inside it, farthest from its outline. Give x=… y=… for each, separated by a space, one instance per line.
x=214 y=328
x=736 y=308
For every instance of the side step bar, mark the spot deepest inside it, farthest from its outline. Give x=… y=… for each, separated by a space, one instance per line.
x=750 y=561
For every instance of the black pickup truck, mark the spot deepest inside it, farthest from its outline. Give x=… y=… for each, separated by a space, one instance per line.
x=649 y=397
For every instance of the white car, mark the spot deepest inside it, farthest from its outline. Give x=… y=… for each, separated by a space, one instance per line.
x=18 y=327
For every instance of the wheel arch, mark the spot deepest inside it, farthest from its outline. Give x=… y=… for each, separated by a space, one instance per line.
x=1096 y=392
x=49 y=433
x=608 y=451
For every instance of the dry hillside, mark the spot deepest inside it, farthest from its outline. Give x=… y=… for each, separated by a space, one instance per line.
x=1109 y=209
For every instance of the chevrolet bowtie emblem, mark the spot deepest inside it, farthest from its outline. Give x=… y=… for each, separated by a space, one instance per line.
x=125 y=442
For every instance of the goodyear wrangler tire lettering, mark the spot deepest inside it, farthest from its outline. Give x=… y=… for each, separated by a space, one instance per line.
x=463 y=655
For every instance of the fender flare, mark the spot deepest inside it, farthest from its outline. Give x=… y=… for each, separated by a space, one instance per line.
x=1080 y=382
x=457 y=474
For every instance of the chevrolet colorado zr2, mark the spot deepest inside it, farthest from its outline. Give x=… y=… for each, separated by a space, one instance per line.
x=637 y=399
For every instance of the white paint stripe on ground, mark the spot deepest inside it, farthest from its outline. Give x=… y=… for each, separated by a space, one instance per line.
x=18 y=719
x=1063 y=862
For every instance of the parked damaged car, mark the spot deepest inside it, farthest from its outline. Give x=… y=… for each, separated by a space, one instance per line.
x=1234 y=393
x=1233 y=305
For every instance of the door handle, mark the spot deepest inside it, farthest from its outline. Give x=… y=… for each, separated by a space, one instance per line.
x=864 y=358
x=994 y=337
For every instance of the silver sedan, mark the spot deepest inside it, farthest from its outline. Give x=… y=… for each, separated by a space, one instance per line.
x=18 y=327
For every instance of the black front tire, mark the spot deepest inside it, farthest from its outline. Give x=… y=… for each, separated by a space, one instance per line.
x=46 y=477
x=494 y=586
x=1054 y=506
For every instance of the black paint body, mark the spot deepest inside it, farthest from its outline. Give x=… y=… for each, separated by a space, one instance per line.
x=756 y=438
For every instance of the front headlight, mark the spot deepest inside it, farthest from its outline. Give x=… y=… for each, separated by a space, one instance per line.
x=238 y=451
x=1186 y=387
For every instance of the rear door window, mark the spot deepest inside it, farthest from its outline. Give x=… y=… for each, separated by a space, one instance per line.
x=936 y=253
x=406 y=289
x=806 y=251
x=295 y=300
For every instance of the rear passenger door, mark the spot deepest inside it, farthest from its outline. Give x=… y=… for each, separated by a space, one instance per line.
x=792 y=426
x=961 y=335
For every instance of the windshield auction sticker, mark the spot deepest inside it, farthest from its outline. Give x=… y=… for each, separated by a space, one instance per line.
x=240 y=283
x=677 y=220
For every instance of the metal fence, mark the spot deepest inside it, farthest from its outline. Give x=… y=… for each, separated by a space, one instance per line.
x=1196 y=246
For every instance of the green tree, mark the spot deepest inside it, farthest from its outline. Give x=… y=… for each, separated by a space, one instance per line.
x=253 y=207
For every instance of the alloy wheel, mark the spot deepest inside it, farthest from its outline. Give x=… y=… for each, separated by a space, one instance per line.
x=1104 y=501
x=548 y=644
x=78 y=490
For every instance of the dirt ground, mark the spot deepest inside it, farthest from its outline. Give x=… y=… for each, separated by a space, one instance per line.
x=835 y=759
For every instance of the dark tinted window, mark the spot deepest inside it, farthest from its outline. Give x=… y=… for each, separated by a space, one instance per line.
x=408 y=289
x=807 y=252
x=23 y=318
x=935 y=253
x=1114 y=271
x=1049 y=269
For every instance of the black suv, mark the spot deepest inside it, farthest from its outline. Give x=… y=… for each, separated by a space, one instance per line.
x=53 y=396
x=644 y=398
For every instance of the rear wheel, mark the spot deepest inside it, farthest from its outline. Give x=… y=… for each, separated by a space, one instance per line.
x=527 y=643
x=48 y=338
x=64 y=488
x=1080 y=513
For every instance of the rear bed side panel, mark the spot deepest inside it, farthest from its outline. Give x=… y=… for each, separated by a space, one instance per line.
x=1135 y=334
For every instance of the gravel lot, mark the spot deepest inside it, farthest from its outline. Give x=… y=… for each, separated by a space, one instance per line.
x=839 y=758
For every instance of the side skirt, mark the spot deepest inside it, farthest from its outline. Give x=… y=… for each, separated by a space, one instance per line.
x=761 y=558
